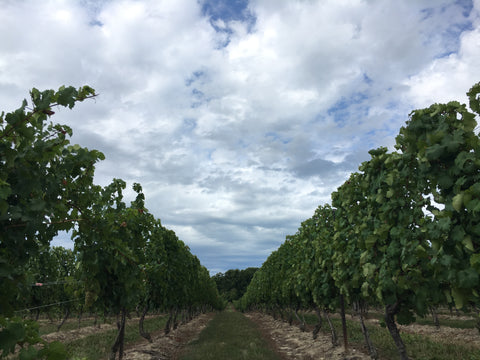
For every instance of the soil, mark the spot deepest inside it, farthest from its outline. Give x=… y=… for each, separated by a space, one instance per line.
x=292 y=343
x=168 y=346
x=445 y=334
x=289 y=342
x=70 y=335
x=66 y=336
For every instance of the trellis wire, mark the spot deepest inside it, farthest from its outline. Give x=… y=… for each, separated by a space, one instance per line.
x=43 y=306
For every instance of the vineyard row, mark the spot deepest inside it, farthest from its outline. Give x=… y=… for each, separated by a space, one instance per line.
x=402 y=233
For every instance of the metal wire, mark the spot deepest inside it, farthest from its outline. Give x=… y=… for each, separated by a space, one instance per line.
x=43 y=306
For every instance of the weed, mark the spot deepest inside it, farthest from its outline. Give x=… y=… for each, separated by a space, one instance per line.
x=230 y=335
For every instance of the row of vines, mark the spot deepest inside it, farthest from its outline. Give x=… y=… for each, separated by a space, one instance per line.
x=402 y=233
x=123 y=258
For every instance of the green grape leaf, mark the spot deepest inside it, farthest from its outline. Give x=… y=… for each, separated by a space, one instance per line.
x=55 y=351
x=29 y=353
x=457 y=201
x=467 y=242
x=10 y=335
x=474 y=99
x=369 y=269
x=475 y=260
x=67 y=96
x=467 y=278
x=434 y=152
x=458 y=298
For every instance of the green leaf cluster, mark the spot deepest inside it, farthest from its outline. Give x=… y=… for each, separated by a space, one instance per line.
x=403 y=232
x=123 y=256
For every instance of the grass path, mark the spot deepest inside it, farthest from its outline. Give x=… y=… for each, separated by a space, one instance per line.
x=230 y=335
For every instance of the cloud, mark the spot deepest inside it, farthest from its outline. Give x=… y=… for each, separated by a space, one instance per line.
x=448 y=78
x=238 y=118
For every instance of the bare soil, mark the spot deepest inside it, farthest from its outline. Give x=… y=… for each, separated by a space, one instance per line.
x=168 y=346
x=444 y=334
x=70 y=335
x=289 y=342
x=292 y=343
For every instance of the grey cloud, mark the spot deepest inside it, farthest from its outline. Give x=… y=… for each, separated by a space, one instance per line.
x=237 y=138
x=316 y=167
x=328 y=171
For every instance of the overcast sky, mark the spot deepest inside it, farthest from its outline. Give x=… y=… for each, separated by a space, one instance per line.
x=238 y=117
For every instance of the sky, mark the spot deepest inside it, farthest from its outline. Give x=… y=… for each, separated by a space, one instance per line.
x=238 y=117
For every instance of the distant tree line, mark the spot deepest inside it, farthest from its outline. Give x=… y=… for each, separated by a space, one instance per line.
x=233 y=284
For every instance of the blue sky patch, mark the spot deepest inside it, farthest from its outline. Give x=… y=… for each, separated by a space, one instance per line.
x=227 y=10
x=195 y=76
x=367 y=79
x=466 y=5
x=344 y=108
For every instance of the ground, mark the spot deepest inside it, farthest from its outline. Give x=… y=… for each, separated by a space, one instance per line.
x=168 y=346
x=288 y=341
x=292 y=343
x=66 y=336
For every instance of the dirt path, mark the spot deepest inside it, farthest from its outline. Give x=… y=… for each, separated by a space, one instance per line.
x=292 y=343
x=168 y=347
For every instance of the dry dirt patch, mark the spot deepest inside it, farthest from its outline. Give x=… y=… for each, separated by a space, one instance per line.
x=67 y=336
x=70 y=335
x=444 y=334
x=292 y=343
x=169 y=346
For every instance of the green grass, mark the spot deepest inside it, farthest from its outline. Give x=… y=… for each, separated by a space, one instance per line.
x=97 y=346
x=418 y=347
x=453 y=323
x=229 y=335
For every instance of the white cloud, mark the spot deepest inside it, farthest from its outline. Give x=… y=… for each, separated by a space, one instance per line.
x=448 y=78
x=239 y=127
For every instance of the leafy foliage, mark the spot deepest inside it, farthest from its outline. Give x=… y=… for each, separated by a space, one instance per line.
x=122 y=253
x=233 y=283
x=403 y=232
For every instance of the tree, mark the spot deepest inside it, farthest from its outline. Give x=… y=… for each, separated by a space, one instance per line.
x=52 y=277
x=46 y=185
x=109 y=242
x=233 y=283
x=390 y=242
x=349 y=228
x=326 y=294
x=38 y=172
x=395 y=255
x=443 y=141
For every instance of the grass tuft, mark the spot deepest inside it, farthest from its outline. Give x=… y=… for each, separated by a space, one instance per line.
x=229 y=335
x=97 y=346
